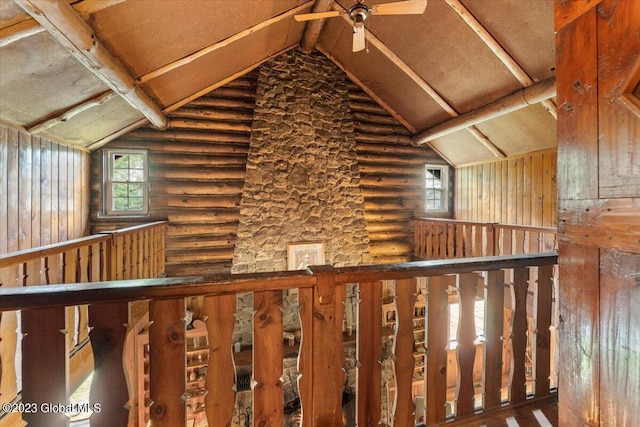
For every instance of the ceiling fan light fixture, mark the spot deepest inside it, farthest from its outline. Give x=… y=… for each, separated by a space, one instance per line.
x=359 y=12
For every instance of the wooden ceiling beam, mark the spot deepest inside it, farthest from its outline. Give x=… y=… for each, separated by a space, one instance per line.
x=425 y=86
x=68 y=115
x=313 y=28
x=368 y=91
x=65 y=24
x=223 y=43
x=522 y=98
x=487 y=38
x=28 y=27
x=185 y=101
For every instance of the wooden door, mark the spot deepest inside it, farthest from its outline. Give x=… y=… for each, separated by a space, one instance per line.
x=598 y=53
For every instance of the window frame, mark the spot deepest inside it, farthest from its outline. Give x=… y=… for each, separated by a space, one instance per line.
x=444 y=169
x=109 y=181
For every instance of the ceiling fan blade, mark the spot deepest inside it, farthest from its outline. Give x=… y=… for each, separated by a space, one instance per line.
x=358 y=37
x=317 y=15
x=408 y=7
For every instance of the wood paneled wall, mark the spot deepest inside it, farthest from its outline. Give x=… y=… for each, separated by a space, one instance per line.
x=44 y=191
x=519 y=190
x=391 y=178
x=196 y=171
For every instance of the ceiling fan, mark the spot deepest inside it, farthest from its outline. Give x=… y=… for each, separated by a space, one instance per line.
x=359 y=12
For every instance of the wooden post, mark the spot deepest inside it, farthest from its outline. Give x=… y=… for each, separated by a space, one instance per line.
x=328 y=351
x=221 y=376
x=45 y=366
x=109 y=386
x=519 y=335
x=267 y=359
x=167 y=362
x=369 y=354
x=437 y=341
x=405 y=291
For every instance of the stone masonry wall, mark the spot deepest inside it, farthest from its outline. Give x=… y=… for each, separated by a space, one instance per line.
x=302 y=181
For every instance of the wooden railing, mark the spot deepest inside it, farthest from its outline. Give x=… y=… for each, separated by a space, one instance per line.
x=131 y=253
x=447 y=238
x=321 y=296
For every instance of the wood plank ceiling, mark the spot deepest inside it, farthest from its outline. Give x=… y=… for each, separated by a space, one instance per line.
x=83 y=72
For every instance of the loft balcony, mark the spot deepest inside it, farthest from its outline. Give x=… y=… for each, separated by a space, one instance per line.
x=464 y=341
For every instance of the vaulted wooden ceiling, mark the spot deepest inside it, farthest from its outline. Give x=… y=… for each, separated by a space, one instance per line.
x=474 y=79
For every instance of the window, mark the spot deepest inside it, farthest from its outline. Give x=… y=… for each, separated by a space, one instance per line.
x=436 y=184
x=126 y=182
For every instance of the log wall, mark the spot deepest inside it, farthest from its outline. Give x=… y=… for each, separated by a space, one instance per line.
x=196 y=172
x=519 y=190
x=391 y=178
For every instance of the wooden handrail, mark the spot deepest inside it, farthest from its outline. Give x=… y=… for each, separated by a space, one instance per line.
x=26 y=255
x=190 y=286
x=441 y=238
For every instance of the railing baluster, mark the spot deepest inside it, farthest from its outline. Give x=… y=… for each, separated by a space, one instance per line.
x=221 y=376
x=369 y=354
x=167 y=362
x=519 y=335
x=328 y=351
x=44 y=365
x=494 y=323
x=460 y=240
x=466 y=350
x=542 y=349
x=267 y=359
x=437 y=341
x=305 y=361
x=405 y=291
x=109 y=385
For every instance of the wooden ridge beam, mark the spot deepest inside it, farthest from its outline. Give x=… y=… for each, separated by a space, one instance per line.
x=28 y=27
x=520 y=99
x=313 y=28
x=512 y=65
x=223 y=43
x=74 y=34
x=425 y=86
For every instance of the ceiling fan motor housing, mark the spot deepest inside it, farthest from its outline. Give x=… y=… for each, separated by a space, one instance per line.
x=359 y=12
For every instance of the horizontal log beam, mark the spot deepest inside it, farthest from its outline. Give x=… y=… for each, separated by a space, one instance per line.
x=223 y=115
x=187 y=135
x=520 y=99
x=28 y=27
x=495 y=47
x=69 y=29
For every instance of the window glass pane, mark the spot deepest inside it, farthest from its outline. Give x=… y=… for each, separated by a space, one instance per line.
x=435 y=188
x=135 y=190
x=136 y=162
x=136 y=175
x=120 y=175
